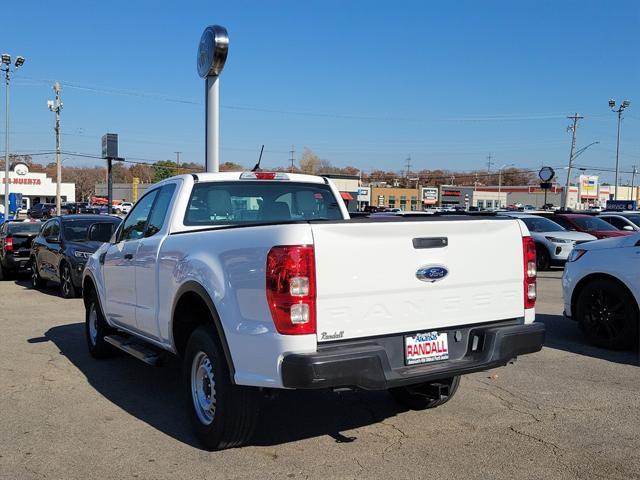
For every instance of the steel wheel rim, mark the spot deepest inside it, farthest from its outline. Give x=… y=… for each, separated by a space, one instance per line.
x=93 y=324
x=203 y=388
x=66 y=281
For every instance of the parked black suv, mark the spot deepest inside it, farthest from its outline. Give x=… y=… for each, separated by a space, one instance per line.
x=15 y=246
x=42 y=210
x=61 y=249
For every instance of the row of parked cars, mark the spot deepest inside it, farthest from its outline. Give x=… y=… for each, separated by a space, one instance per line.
x=48 y=210
x=556 y=234
x=54 y=250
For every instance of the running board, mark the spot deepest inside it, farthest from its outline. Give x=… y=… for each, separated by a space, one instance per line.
x=136 y=348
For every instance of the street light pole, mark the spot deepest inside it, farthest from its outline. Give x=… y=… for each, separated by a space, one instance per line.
x=6 y=68
x=612 y=105
x=6 y=143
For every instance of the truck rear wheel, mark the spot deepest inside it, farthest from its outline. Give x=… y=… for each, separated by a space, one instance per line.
x=223 y=414
x=426 y=395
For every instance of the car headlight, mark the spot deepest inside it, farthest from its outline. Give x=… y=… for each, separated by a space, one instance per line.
x=80 y=254
x=558 y=240
x=575 y=254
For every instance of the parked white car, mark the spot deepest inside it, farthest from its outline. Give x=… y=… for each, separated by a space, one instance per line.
x=260 y=280
x=622 y=220
x=124 y=208
x=601 y=285
x=553 y=242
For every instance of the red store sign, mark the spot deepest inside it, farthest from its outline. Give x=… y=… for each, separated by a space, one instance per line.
x=23 y=181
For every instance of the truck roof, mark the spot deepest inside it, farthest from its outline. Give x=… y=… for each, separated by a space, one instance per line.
x=246 y=175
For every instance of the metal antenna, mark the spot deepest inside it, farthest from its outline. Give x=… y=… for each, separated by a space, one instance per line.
x=256 y=167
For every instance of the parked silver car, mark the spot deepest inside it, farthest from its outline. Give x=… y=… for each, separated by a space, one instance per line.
x=553 y=242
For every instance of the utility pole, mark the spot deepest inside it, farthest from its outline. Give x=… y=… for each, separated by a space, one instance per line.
x=408 y=164
x=612 y=105
x=177 y=162
x=633 y=181
x=573 y=129
x=291 y=158
x=489 y=163
x=55 y=106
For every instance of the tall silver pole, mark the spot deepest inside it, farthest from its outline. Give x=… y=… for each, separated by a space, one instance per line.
x=615 y=195
x=6 y=148
x=212 y=121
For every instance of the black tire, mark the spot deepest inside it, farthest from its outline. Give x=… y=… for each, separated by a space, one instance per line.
x=224 y=415
x=67 y=289
x=37 y=281
x=96 y=328
x=3 y=273
x=543 y=259
x=417 y=397
x=607 y=314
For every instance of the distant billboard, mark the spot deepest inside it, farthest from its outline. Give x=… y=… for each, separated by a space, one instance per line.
x=588 y=186
x=429 y=195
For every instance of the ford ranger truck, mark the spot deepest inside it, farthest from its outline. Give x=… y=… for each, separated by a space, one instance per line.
x=262 y=281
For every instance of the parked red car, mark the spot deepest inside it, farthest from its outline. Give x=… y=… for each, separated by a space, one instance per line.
x=587 y=223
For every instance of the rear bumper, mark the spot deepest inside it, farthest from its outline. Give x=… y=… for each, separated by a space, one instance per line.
x=11 y=262
x=375 y=364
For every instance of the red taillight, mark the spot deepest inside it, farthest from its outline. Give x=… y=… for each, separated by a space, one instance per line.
x=291 y=289
x=265 y=175
x=529 y=254
x=8 y=244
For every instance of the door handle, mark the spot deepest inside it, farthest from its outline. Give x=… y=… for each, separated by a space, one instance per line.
x=128 y=256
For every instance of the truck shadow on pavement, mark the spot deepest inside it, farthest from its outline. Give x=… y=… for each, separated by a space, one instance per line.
x=564 y=334
x=155 y=396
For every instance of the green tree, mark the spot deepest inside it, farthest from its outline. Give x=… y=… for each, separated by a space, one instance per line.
x=163 y=169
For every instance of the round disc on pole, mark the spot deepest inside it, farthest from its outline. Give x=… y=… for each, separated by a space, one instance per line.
x=546 y=174
x=212 y=51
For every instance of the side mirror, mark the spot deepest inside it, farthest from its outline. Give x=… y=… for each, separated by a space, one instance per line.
x=628 y=228
x=101 y=232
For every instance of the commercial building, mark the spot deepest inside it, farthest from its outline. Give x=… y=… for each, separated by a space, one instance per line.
x=466 y=197
x=122 y=191
x=34 y=187
x=406 y=199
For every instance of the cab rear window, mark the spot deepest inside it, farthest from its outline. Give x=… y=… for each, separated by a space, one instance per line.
x=247 y=202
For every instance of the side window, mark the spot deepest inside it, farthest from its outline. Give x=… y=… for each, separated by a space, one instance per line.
x=55 y=229
x=159 y=212
x=46 y=230
x=134 y=225
x=616 y=222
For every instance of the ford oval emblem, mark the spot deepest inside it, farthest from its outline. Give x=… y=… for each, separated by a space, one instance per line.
x=432 y=273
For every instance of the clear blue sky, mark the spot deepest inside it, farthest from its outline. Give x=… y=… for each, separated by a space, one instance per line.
x=361 y=83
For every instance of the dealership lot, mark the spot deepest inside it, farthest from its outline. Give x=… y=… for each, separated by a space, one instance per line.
x=570 y=411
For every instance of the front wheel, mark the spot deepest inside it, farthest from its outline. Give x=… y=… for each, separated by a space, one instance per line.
x=426 y=395
x=223 y=414
x=37 y=281
x=607 y=313
x=67 y=289
x=96 y=328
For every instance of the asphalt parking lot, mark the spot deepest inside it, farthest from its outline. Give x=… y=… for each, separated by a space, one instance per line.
x=570 y=411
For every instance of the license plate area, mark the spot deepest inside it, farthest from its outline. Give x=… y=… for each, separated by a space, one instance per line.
x=426 y=347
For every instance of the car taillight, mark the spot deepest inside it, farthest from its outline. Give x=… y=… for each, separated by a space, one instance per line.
x=8 y=244
x=291 y=289
x=529 y=254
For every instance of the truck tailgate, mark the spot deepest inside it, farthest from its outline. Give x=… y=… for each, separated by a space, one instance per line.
x=367 y=283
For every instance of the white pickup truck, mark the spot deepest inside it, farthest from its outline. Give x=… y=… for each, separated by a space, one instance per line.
x=261 y=281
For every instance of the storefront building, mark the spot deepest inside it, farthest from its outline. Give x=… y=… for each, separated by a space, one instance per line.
x=34 y=187
x=407 y=199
